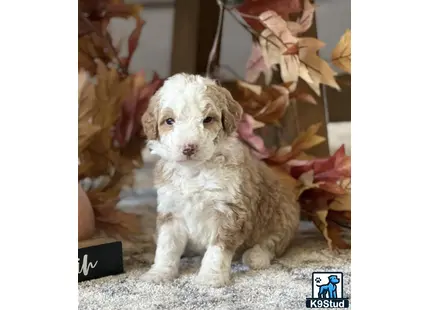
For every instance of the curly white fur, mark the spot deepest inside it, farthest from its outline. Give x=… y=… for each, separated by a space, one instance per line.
x=219 y=200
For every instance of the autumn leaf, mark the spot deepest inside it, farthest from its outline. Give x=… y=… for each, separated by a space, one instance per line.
x=256 y=7
x=297 y=57
x=304 y=141
x=325 y=194
x=265 y=104
x=94 y=15
x=302 y=96
x=125 y=34
x=133 y=107
x=246 y=134
x=82 y=81
x=278 y=44
x=86 y=129
x=91 y=47
x=319 y=71
x=114 y=222
x=93 y=9
x=305 y=21
x=327 y=170
x=323 y=185
x=117 y=8
x=133 y=41
x=331 y=221
x=341 y=55
x=331 y=232
x=256 y=65
x=99 y=110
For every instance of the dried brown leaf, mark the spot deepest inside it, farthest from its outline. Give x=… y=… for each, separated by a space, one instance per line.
x=302 y=96
x=257 y=65
x=331 y=231
x=341 y=203
x=279 y=46
x=341 y=55
x=114 y=222
x=265 y=104
x=92 y=47
x=304 y=141
x=99 y=108
x=297 y=57
x=256 y=7
x=319 y=70
x=246 y=134
x=305 y=21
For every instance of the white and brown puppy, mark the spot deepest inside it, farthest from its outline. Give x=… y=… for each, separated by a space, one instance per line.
x=214 y=197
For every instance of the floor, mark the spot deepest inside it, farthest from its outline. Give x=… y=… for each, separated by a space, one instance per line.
x=285 y=285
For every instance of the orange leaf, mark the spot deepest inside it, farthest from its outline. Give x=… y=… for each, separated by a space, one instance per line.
x=335 y=234
x=114 y=222
x=302 y=96
x=341 y=55
x=304 y=141
x=331 y=231
x=265 y=104
x=133 y=107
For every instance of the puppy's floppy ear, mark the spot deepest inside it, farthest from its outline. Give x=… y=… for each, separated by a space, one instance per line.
x=150 y=118
x=231 y=109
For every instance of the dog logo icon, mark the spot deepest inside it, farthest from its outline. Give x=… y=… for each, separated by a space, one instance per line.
x=327 y=291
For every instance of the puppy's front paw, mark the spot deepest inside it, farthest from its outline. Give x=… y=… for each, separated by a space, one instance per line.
x=256 y=258
x=213 y=279
x=156 y=275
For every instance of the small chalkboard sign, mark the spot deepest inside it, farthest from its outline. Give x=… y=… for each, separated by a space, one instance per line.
x=100 y=261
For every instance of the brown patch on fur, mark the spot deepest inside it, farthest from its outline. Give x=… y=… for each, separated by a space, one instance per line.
x=163 y=218
x=265 y=212
x=215 y=125
x=231 y=109
x=231 y=233
x=165 y=114
x=150 y=117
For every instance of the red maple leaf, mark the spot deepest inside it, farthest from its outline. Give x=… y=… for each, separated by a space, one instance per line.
x=256 y=7
x=133 y=108
x=326 y=170
x=255 y=142
x=133 y=41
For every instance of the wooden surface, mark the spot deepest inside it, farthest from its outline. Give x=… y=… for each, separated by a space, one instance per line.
x=339 y=102
x=195 y=25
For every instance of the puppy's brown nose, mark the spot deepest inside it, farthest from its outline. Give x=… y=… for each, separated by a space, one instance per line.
x=189 y=149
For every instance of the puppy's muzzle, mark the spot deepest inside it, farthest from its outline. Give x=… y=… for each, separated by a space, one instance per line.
x=189 y=150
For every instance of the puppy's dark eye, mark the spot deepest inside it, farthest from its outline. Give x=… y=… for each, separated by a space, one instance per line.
x=208 y=120
x=170 y=121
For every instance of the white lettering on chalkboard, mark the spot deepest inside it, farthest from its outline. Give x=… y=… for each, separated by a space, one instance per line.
x=86 y=266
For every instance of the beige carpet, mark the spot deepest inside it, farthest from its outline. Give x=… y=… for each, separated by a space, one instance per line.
x=285 y=285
